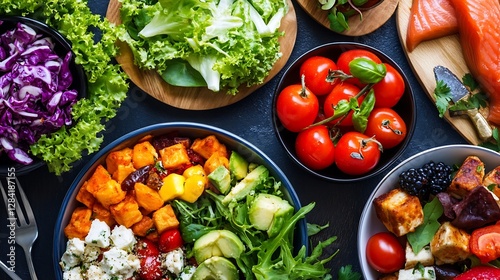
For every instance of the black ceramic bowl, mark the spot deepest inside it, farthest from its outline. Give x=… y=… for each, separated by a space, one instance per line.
x=61 y=46
x=405 y=108
x=185 y=129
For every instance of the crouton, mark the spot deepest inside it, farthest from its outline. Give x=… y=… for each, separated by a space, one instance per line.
x=174 y=156
x=116 y=158
x=126 y=212
x=143 y=154
x=400 y=212
x=450 y=244
x=207 y=146
x=79 y=224
x=164 y=219
x=147 y=198
x=469 y=176
x=492 y=181
x=85 y=197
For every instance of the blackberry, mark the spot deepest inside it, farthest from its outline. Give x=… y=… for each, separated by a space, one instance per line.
x=431 y=178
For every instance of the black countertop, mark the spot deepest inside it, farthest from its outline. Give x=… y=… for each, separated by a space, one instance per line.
x=340 y=205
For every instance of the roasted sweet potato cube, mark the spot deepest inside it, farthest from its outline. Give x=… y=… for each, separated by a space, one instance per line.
x=143 y=227
x=85 y=197
x=99 y=177
x=126 y=212
x=143 y=154
x=469 y=175
x=116 y=158
x=207 y=146
x=110 y=193
x=147 y=198
x=122 y=172
x=174 y=156
x=79 y=224
x=214 y=161
x=102 y=214
x=164 y=218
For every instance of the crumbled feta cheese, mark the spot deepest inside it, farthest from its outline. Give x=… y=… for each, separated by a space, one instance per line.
x=73 y=254
x=73 y=274
x=118 y=262
x=98 y=234
x=91 y=253
x=95 y=272
x=174 y=261
x=426 y=273
x=187 y=273
x=123 y=238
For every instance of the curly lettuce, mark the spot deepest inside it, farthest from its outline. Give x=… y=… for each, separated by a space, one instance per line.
x=107 y=84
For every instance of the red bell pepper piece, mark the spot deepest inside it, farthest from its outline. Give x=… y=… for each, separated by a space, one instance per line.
x=485 y=243
x=480 y=273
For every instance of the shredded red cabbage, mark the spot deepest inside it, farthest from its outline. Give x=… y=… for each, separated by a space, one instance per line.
x=35 y=98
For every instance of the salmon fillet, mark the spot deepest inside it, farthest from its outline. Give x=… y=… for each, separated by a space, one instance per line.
x=479 y=29
x=430 y=19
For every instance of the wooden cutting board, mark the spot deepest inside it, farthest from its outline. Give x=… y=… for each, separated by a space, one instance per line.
x=444 y=51
x=196 y=98
x=372 y=19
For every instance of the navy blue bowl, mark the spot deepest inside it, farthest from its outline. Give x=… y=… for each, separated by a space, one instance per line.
x=192 y=130
x=61 y=46
x=406 y=108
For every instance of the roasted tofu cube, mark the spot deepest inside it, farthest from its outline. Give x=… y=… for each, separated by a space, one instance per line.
x=400 y=212
x=126 y=212
x=100 y=176
x=79 y=224
x=425 y=273
x=174 y=156
x=85 y=197
x=147 y=198
x=143 y=154
x=207 y=146
x=116 y=158
x=102 y=214
x=110 y=193
x=164 y=219
x=469 y=175
x=121 y=172
x=143 y=227
x=423 y=257
x=492 y=181
x=217 y=159
x=450 y=244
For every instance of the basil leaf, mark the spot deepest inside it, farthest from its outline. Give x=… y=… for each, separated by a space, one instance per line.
x=338 y=21
x=360 y=117
x=367 y=70
x=425 y=232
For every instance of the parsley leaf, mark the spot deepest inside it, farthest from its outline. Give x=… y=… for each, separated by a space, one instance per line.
x=442 y=93
x=346 y=273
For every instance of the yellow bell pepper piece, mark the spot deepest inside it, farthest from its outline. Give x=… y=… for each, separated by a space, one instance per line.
x=173 y=186
x=193 y=188
x=195 y=170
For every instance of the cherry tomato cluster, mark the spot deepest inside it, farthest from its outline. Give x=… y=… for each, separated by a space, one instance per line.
x=342 y=111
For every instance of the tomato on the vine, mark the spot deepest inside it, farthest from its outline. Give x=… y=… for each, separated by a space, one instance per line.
x=384 y=253
x=317 y=73
x=387 y=126
x=341 y=91
x=346 y=57
x=356 y=153
x=390 y=89
x=296 y=107
x=315 y=148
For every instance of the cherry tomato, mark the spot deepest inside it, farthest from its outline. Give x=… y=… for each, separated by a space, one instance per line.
x=341 y=91
x=296 y=107
x=387 y=127
x=390 y=89
x=356 y=153
x=149 y=257
x=384 y=253
x=170 y=240
x=314 y=147
x=316 y=71
x=346 y=57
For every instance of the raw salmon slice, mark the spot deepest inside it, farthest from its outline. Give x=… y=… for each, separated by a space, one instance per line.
x=479 y=30
x=430 y=19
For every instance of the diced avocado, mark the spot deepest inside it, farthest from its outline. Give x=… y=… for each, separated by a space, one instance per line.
x=249 y=183
x=238 y=166
x=222 y=243
x=216 y=268
x=269 y=212
x=221 y=179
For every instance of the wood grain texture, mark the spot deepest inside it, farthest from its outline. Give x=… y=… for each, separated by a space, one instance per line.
x=372 y=19
x=196 y=98
x=444 y=51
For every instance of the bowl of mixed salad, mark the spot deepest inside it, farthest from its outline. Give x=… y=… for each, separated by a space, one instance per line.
x=183 y=201
x=39 y=84
x=434 y=216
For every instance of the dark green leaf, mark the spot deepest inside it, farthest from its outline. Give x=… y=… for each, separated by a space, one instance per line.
x=425 y=232
x=442 y=93
x=313 y=229
x=180 y=73
x=360 y=117
x=367 y=70
x=346 y=273
x=338 y=21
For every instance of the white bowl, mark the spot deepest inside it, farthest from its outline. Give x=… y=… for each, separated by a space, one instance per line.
x=369 y=224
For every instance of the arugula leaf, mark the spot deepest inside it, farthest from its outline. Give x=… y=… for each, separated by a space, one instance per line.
x=442 y=94
x=425 y=232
